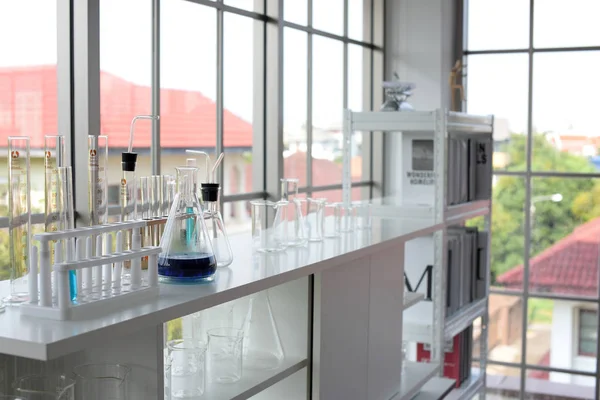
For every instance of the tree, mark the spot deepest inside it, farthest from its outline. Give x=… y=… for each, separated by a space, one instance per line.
x=551 y=221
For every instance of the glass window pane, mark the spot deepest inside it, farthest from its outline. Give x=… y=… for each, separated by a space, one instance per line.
x=249 y=5
x=554 y=335
x=294 y=104
x=359 y=82
x=505 y=329
x=502 y=383
x=236 y=215
x=328 y=16
x=564 y=236
x=578 y=22
x=240 y=103
x=508 y=243
x=295 y=11
x=359 y=24
x=542 y=385
x=188 y=90
x=488 y=22
x=28 y=86
x=565 y=125
x=327 y=110
x=125 y=78
x=498 y=84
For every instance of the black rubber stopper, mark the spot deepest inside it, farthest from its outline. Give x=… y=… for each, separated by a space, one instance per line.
x=128 y=161
x=209 y=191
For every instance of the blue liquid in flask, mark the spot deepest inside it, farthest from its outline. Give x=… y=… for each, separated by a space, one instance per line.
x=187 y=267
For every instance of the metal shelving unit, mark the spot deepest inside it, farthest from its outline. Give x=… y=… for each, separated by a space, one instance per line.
x=442 y=124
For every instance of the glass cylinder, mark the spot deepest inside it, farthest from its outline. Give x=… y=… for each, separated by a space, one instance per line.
x=295 y=229
x=269 y=225
x=19 y=217
x=39 y=387
x=102 y=381
x=66 y=220
x=128 y=197
x=54 y=156
x=314 y=217
x=347 y=218
x=363 y=215
x=225 y=347
x=168 y=191
x=331 y=220
x=186 y=368
x=155 y=196
x=97 y=182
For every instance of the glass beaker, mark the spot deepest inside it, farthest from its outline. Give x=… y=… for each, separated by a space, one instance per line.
x=219 y=316
x=262 y=345
x=40 y=387
x=19 y=217
x=347 y=218
x=225 y=349
x=331 y=220
x=186 y=366
x=363 y=215
x=269 y=225
x=187 y=254
x=214 y=223
x=314 y=217
x=295 y=229
x=102 y=381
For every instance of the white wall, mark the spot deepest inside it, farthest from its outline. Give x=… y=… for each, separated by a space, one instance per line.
x=563 y=354
x=419 y=46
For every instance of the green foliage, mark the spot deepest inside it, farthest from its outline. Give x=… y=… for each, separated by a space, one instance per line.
x=551 y=221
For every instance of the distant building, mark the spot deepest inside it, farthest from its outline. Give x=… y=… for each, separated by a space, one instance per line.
x=569 y=267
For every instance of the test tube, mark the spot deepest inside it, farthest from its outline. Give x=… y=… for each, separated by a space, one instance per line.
x=64 y=203
x=97 y=183
x=19 y=217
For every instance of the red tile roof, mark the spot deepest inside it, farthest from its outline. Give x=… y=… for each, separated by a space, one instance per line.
x=28 y=106
x=570 y=266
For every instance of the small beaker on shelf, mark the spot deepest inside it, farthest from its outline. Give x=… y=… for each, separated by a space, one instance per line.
x=269 y=225
x=186 y=369
x=214 y=222
x=187 y=254
x=225 y=347
x=40 y=387
x=102 y=381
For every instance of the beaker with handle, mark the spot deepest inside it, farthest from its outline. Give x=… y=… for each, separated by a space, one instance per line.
x=41 y=387
x=102 y=381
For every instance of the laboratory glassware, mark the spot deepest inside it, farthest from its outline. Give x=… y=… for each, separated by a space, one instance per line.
x=296 y=232
x=314 y=218
x=262 y=344
x=219 y=316
x=187 y=254
x=214 y=222
x=40 y=387
x=225 y=352
x=331 y=220
x=269 y=225
x=186 y=366
x=347 y=217
x=97 y=182
x=66 y=220
x=102 y=381
x=19 y=217
x=54 y=155
x=363 y=215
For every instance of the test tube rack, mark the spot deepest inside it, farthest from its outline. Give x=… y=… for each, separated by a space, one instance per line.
x=100 y=289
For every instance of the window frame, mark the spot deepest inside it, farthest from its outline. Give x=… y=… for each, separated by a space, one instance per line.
x=580 y=328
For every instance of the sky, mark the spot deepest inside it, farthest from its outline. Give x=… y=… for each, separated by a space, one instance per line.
x=565 y=85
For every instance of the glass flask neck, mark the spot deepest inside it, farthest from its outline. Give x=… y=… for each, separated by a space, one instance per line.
x=212 y=206
x=289 y=188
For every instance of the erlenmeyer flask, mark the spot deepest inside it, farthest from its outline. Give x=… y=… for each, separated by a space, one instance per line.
x=262 y=345
x=214 y=223
x=187 y=254
x=296 y=233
